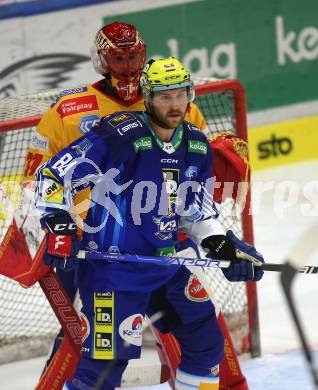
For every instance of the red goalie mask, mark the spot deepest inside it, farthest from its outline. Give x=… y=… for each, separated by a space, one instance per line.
x=119 y=54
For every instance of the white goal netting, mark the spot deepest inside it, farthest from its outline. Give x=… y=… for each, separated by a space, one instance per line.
x=27 y=323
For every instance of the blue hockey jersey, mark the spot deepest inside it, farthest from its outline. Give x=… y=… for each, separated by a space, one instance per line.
x=143 y=191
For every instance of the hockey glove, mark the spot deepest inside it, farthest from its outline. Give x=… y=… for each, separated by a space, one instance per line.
x=246 y=262
x=61 y=240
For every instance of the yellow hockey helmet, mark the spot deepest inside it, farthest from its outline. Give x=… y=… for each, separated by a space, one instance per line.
x=165 y=74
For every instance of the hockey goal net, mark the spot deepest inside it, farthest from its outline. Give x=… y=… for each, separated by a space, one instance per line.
x=27 y=323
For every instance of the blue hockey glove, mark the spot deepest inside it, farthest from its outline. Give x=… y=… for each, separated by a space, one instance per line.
x=62 y=242
x=245 y=260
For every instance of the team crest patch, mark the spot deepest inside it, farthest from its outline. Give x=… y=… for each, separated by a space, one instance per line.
x=191 y=173
x=88 y=122
x=122 y=118
x=194 y=290
x=166 y=225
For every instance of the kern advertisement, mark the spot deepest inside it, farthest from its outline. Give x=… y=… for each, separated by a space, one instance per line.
x=272 y=49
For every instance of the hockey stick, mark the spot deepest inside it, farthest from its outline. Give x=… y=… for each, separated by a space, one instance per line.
x=118 y=257
x=186 y=261
x=302 y=249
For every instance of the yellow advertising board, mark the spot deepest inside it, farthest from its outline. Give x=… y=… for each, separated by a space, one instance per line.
x=283 y=143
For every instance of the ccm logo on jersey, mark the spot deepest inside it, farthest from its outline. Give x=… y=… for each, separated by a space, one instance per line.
x=77 y=105
x=169 y=161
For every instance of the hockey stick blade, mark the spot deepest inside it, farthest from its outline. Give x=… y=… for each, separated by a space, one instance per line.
x=304 y=247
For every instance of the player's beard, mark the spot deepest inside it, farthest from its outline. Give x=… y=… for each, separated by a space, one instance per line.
x=171 y=120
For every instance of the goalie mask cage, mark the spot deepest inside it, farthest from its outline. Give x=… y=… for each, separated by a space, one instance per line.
x=27 y=323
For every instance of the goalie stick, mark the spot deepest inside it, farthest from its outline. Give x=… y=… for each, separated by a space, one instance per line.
x=301 y=250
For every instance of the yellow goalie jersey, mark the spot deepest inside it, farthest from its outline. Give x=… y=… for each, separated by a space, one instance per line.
x=74 y=113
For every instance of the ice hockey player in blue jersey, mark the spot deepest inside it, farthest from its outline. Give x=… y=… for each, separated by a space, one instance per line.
x=150 y=177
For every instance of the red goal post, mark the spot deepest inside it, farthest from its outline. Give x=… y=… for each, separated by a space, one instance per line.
x=222 y=103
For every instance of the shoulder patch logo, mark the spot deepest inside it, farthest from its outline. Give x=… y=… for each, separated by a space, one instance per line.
x=129 y=126
x=77 y=104
x=88 y=122
x=121 y=118
x=68 y=92
x=39 y=142
x=73 y=90
x=197 y=147
x=142 y=143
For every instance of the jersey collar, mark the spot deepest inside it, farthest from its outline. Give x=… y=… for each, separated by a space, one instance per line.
x=175 y=142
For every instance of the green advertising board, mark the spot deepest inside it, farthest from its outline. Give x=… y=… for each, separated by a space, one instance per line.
x=270 y=46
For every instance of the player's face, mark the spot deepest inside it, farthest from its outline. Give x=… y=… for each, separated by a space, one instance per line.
x=171 y=106
x=125 y=64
